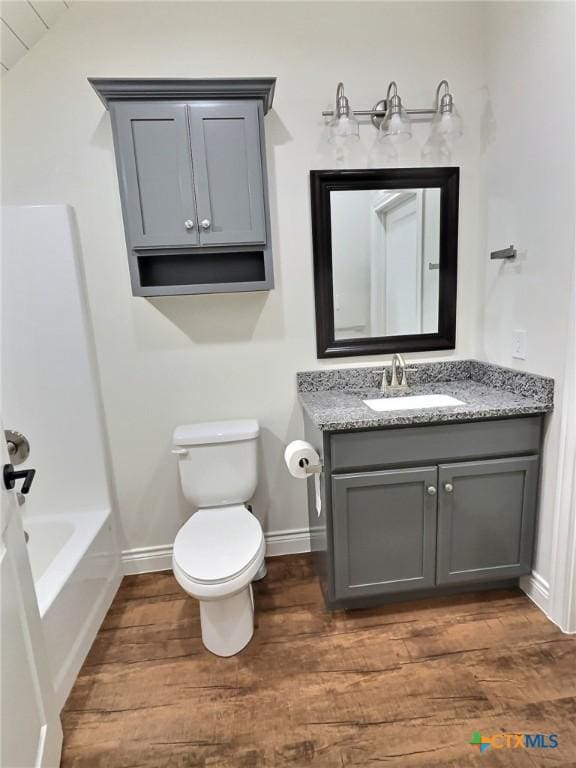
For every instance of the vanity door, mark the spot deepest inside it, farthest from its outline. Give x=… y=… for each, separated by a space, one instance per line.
x=384 y=528
x=486 y=517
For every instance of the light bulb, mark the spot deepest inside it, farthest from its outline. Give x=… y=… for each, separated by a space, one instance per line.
x=343 y=127
x=447 y=123
x=396 y=126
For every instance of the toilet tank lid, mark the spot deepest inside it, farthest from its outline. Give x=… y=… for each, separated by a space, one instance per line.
x=216 y=432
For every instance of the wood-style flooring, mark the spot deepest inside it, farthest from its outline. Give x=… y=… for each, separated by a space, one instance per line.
x=403 y=685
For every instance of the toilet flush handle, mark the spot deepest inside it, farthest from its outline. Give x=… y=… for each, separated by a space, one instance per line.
x=179 y=451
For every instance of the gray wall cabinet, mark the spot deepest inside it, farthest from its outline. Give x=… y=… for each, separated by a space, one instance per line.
x=419 y=511
x=193 y=185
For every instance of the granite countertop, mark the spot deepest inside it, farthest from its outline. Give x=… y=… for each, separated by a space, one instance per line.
x=333 y=398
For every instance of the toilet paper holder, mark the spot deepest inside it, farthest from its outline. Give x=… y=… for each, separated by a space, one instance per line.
x=310 y=469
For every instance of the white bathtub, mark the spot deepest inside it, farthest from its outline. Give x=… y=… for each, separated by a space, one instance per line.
x=76 y=573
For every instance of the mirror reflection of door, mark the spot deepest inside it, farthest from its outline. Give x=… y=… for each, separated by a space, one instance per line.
x=385 y=248
x=396 y=263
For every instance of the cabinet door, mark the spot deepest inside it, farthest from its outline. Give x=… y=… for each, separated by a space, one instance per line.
x=486 y=512
x=384 y=527
x=155 y=172
x=226 y=152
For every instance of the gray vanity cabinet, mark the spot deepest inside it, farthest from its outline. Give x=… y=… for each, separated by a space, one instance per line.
x=384 y=531
x=424 y=510
x=486 y=513
x=155 y=169
x=225 y=141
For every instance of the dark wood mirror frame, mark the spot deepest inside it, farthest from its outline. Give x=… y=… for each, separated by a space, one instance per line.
x=324 y=182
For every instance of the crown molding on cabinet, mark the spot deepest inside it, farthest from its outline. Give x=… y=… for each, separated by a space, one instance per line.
x=126 y=89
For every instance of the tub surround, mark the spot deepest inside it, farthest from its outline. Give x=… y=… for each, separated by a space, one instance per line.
x=333 y=399
x=69 y=513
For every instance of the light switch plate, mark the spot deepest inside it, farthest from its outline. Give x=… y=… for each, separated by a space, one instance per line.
x=519 y=344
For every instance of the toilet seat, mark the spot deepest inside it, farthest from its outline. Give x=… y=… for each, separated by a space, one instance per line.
x=219 y=545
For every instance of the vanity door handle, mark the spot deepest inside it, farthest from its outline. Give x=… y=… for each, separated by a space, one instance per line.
x=448 y=487
x=431 y=490
x=205 y=223
x=179 y=451
x=189 y=224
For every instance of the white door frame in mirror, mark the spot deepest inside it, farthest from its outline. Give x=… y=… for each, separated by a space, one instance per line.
x=386 y=202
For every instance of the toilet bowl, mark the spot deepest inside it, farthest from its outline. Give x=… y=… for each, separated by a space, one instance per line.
x=220 y=550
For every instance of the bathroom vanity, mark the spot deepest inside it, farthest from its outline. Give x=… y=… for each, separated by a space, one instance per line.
x=423 y=501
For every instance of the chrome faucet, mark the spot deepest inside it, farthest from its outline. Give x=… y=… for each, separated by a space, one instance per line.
x=401 y=385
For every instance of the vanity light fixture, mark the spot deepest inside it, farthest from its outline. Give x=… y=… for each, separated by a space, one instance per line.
x=343 y=126
x=391 y=119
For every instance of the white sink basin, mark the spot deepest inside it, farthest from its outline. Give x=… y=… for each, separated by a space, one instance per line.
x=410 y=402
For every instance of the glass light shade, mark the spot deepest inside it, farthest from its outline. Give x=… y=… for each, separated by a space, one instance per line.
x=447 y=124
x=383 y=154
x=436 y=151
x=395 y=127
x=344 y=129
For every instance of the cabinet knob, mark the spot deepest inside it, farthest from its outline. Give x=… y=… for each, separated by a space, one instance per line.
x=205 y=223
x=431 y=490
x=189 y=224
x=448 y=487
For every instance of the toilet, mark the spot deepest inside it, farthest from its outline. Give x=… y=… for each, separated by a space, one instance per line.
x=219 y=551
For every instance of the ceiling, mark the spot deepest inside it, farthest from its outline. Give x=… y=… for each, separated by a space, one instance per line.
x=23 y=23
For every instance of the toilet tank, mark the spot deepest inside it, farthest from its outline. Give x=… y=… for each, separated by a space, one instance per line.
x=218 y=461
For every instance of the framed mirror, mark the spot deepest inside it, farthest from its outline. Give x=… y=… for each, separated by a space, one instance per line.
x=385 y=259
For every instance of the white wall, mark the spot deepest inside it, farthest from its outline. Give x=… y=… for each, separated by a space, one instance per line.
x=528 y=155
x=176 y=360
x=351 y=231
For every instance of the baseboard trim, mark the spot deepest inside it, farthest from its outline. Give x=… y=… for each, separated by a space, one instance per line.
x=159 y=558
x=147 y=559
x=538 y=590
x=290 y=542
